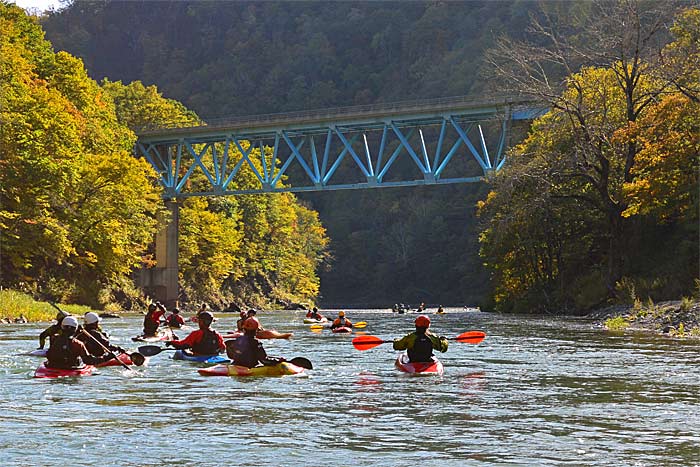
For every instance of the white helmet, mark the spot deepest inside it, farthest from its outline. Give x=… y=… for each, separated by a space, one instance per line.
x=69 y=322
x=91 y=318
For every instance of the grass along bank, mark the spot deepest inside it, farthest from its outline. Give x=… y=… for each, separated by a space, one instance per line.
x=678 y=318
x=18 y=307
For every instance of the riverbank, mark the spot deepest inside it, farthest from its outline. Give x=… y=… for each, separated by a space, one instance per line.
x=18 y=307
x=677 y=318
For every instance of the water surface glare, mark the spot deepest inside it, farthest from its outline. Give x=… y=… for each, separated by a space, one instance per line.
x=537 y=391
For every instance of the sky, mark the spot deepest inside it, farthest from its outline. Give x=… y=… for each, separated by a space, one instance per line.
x=40 y=5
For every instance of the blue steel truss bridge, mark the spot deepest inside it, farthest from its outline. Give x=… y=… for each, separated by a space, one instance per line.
x=429 y=142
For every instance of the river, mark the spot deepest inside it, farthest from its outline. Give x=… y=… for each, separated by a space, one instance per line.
x=536 y=391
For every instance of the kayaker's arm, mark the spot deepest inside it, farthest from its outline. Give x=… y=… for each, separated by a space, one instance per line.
x=46 y=333
x=439 y=343
x=405 y=342
x=86 y=356
x=187 y=342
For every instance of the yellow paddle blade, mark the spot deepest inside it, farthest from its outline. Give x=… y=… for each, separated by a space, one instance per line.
x=361 y=324
x=315 y=327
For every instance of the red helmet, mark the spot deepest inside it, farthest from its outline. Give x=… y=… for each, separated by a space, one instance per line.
x=422 y=321
x=251 y=324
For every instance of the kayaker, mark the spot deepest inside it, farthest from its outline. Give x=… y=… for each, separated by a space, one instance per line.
x=203 y=341
x=152 y=319
x=341 y=321
x=66 y=351
x=252 y=314
x=52 y=330
x=174 y=320
x=421 y=343
x=92 y=323
x=314 y=314
x=247 y=350
x=440 y=310
x=239 y=323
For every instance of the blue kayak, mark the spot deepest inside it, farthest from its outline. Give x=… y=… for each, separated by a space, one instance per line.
x=183 y=355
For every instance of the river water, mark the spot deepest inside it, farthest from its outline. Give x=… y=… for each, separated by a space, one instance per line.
x=536 y=391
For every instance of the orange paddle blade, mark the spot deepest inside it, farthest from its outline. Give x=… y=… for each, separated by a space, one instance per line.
x=470 y=337
x=367 y=342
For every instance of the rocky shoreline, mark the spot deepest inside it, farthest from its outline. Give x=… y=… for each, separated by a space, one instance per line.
x=677 y=318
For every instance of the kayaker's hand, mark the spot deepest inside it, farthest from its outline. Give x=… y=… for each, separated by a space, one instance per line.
x=169 y=343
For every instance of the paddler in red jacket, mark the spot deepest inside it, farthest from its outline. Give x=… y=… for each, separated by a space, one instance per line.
x=152 y=319
x=421 y=343
x=203 y=341
x=341 y=321
x=174 y=320
x=314 y=314
x=67 y=352
x=247 y=350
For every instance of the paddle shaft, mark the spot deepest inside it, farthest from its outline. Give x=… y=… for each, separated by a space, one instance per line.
x=112 y=354
x=369 y=342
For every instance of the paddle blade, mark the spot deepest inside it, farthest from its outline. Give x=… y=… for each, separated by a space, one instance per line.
x=137 y=358
x=315 y=327
x=366 y=342
x=302 y=362
x=360 y=325
x=471 y=337
x=150 y=350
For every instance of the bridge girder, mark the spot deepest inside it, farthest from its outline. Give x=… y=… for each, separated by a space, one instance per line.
x=267 y=146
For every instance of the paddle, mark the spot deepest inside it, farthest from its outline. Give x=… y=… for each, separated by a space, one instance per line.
x=302 y=362
x=112 y=354
x=359 y=325
x=151 y=350
x=370 y=342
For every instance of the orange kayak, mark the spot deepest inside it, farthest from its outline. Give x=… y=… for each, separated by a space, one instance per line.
x=281 y=369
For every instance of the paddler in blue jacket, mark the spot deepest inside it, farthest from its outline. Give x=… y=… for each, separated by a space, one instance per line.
x=203 y=341
x=247 y=350
x=421 y=343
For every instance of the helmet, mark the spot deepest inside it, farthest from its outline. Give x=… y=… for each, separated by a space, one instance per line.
x=91 y=318
x=69 y=322
x=243 y=314
x=252 y=312
x=152 y=307
x=251 y=324
x=205 y=316
x=422 y=321
x=204 y=306
x=176 y=310
x=60 y=315
x=341 y=314
x=315 y=309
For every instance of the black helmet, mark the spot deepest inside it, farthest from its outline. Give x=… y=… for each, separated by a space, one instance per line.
x=205 y=316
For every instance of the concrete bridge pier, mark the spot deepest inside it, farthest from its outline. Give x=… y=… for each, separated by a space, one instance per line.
x=161 y=282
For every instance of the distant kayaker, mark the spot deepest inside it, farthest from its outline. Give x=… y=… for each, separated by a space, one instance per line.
x=52 y=330
x=440 y=310
x=341 y=321
x=92 y=322
x=421 y=343
x=175 y=320
x=314 y=314
x=152 y=319
x=66 y=351
x=247 y=350
x=203 y=341
x=252 y=313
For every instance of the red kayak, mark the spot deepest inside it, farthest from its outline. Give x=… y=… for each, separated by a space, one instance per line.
x=342 y=329
x=123 y=358
x=44 y=372
x=424 y=368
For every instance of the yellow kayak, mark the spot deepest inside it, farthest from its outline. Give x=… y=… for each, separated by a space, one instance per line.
x=281 y=369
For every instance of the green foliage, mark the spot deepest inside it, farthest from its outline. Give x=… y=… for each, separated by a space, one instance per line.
x=618 y=323
x=17 y=304
x=76 y=210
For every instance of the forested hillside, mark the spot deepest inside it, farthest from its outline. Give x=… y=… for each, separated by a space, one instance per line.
x=78 y=212
x=569 y=225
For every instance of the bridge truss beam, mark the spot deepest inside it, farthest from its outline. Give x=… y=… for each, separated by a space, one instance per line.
x=368 y=146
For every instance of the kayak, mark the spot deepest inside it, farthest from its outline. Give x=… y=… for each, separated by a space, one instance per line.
x=281 y=369
x=342 y=329
x=121 y=358
x=182 y=355
x=315 y=321
x=423 y=368
x=161 y=336
x=36 y=353
x=262 y=334
x=44 y=372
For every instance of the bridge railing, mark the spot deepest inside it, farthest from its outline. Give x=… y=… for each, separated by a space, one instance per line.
x=316 y=115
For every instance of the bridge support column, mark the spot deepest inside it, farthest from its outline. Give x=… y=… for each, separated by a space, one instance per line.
x=161 y=282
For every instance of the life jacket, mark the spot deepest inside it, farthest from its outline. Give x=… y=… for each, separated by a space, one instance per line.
x=150 y=326
x=422 y=350
x=208 y=344
x=175 y=321
x=93 y=347
x=243 y=351
x=62 y=353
